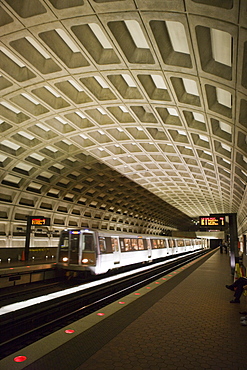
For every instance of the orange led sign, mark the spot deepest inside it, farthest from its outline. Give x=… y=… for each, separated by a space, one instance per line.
x=40 y=221
x=214 y=221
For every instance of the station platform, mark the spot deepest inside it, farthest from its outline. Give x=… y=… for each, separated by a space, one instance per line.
x=6 y=267
x=24 y=272
x=184 y=320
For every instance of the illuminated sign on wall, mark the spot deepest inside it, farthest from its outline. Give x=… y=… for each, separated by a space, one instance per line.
x=40 y=221
x=212 y=221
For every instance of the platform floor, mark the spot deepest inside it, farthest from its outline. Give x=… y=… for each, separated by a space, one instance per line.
x=16 y=264
x=185 y=322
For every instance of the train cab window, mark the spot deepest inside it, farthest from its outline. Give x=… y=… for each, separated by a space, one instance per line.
x=88 y=242
x=140 y=245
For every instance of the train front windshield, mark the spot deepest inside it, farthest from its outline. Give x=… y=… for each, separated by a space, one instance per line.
x=88 y=242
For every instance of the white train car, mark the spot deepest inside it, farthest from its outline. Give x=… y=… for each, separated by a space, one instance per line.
x=100 y=251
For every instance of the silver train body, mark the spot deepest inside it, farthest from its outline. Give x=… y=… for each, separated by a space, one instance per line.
x=100 y=251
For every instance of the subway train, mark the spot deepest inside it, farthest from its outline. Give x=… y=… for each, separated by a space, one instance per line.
x=97 y=252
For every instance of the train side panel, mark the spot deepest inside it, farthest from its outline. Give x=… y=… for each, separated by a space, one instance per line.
x=100 y=251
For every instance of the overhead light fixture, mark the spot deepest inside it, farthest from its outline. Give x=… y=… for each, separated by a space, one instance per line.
x=102 y=83
x=12 y=57
x=224 y=97
x=38 y=47
x=67 y=40
x=221 y=46
x=52 y=91
x=159 y=81
x=178 y=37
x=100 y=35
x=137 y=34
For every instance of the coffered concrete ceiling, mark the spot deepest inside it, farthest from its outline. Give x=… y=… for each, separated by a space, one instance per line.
x=114 y=111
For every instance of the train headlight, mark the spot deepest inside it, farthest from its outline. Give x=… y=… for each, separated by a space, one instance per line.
x=65 y=259
x=85 y=260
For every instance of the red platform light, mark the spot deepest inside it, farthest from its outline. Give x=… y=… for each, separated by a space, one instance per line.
x=121 y=302
x=137 y=293
x=100 y=314
x=148 y=287
x=69 y=331
x=20 y=358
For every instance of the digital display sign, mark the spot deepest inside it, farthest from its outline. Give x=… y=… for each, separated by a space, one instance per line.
x=212 y=221
x=40 y=221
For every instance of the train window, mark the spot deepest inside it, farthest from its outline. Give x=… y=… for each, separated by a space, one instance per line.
x=160 y=243
x=102 y=245
x=108 y=244
x=114 y=243
x=127 y=245
x=134 y=245
x=88 y=242
x=188 y=242
x=171 y=243
x=180 y=243
x=154 y=243
x=121 y=244
x=140 y=244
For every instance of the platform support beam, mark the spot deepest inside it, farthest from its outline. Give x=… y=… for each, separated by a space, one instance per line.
x=28 y=234
x=233 y=240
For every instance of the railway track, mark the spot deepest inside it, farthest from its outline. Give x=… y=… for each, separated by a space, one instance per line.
x=13 y=295
x=24 y=326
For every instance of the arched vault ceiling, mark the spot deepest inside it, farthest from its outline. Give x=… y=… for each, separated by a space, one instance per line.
x=152 y=89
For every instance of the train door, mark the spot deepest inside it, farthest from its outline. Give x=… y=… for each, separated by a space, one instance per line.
x=88 y=250
x=166 y=244
x=74 y=243
x=63 y=247
x=115 y=249
x=149 y=249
